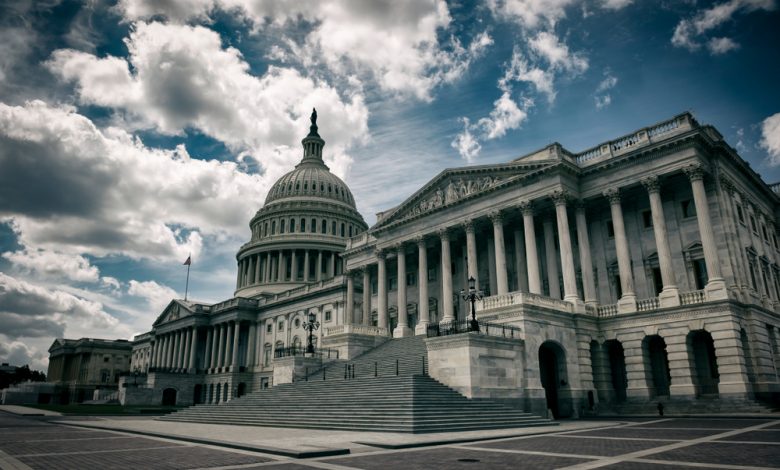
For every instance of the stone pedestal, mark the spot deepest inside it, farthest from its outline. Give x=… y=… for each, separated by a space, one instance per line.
x=716 y=290
x=478 y=366
x=627 y=304
x=669 y=297
x=293 y=369
x=402 y=331
x=353 y=340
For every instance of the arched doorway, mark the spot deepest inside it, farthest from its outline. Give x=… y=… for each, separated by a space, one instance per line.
x=617 y=367
x=219 y=394
x=196 y=394
x=658 y=373
x=241 y=390
x=210 y=398
x=704 y=363
x=225 y=392
x=552 y=373
x=169 y=397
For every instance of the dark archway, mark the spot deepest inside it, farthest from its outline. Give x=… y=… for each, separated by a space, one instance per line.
x=617 y=367
x=654 y=348
x=196 y=394
x=704 y=363
x=218 y=395
x=225 y=389
x=169 y=397
x=241 y=390
x=552 y=373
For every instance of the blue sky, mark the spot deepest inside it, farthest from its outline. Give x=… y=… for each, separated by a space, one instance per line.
x=134 y=133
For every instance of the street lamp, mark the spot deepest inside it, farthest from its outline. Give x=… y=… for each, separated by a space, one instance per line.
x=472 y=296
x=312 y=325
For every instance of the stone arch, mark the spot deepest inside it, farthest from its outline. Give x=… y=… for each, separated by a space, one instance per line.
x=703 y=362
x=225 y=389
x=657 y=370
x=210 y=398
x=241 y=390
x=554 y=378
x=197 y=394
x=218 y=394
x=169 y=396
x=617 y=369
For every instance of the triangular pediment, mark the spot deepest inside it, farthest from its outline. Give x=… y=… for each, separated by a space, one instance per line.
x=456 y=185
x=175 y=310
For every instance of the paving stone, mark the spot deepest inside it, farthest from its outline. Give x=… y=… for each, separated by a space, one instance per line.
x=759 y=436
x=282 y=466
x=574 y=445
x=724 y=454
x=174 y=458
x=716 y=423
x=52 y=447
x=676 y=434
x=15 y=422
x=448 y=458
x=643 y=466
x=33 y=434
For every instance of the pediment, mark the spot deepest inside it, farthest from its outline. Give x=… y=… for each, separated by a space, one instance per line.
x=173 y=311
x=454 y=186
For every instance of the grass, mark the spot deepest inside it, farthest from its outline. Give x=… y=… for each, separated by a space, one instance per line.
x=105 y=409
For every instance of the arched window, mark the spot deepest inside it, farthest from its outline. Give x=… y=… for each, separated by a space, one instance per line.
x=292 y=225
x=313 y=226
x=342 y=229
x=273 y=227
x=303 y=225
x=305 y=185
x=333 y=228
x=350 y=230
x=324 y=226
x=281 y=226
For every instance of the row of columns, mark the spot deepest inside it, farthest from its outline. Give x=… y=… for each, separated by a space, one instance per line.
x=271 y=266
x=627 y=303
x=176 y=349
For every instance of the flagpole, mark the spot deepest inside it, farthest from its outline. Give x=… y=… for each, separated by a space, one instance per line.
x=187 y=285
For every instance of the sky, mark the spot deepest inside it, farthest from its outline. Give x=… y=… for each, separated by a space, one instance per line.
x=136 y=133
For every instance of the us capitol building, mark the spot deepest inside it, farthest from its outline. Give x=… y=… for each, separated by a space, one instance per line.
x=645 y=269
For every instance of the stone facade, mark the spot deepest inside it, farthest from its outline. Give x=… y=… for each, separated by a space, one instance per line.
x=78 y=367
x=646 y=268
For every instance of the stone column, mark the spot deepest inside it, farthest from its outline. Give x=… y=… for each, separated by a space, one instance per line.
x=318 y=270
x=234 y=342
x=221 y=345
x=185 y=361
x=168 y=359
x=402 y=329
x=366 y=296
x=636 y=367
x=192 y=366
x=305 y=265
x=332 y=264
x=471 y=251
x=733 y=381
x=282 y=267
x=551 y=258
x=159 y=355
x=214 y=347
x=627 y=302
x=381 y=299
x=716 y=286
x=499 y=247
x=670 y=295
x=446 y=278
x=531 y=254
x=238 y=275
x=207 y=352
x=586 y=262
x=258 y=279
x=521 y=267
x=267 y=275
x=293 y=267
x=602 y=376
x=560 y=199
x=349 y=311
x=422 y=302
x=176 y=349
x=250 y=270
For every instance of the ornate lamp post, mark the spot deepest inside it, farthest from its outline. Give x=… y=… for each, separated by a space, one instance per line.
x=472 y=296
x=312 y=325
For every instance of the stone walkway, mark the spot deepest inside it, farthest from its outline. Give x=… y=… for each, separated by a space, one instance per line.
x=654 y=444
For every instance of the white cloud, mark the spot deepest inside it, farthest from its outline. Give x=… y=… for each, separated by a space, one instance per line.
x=52 y=264
x=519 y=70
x=157 y=296
x=183 y=78
x=557 y=54
x=465 y=143
x=85 y=191
x=17 y=353
x=603 y=101
x=395 y=43
x=615 y=4
x=602 y=96
x=690 y=32
x=506 y=115
x=531 y=13
x=770 y=138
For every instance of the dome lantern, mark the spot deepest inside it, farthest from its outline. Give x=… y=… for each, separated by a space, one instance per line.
x=312 y=144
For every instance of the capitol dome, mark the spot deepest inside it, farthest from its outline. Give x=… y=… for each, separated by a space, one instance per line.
x=300 y=232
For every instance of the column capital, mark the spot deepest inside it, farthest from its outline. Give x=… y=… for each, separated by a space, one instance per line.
x=579 y=205
x=420 y=241
x=468 y=225
x=380 y=253
x=497 y=217
x=695 y=172
x=560 y=197
x=527 y=207
x=444 y=234
x=652 y=184
x=726 y=183
x=400 y=248
x=613 y=194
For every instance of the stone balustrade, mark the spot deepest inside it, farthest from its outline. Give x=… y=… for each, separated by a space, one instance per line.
x=521 y=298
x=356 y=329
x=605 y=311
x=645 y=305
x=693 y=297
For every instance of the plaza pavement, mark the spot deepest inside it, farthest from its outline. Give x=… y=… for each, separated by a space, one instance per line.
x=651 y=443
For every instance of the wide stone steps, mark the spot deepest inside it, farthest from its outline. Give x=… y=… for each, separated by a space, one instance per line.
x=402 y=356
x=406 y=403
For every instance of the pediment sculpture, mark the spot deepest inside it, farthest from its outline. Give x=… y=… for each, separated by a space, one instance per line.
x=454 y=190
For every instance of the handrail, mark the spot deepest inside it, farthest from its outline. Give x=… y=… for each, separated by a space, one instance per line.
x=466 y=326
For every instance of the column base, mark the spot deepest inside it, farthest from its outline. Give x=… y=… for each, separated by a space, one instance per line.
x=682 y=391
x=627 y=304
x=577 y=303
x=402 y=331
x=669 y=297
x=421 y=328
x=716 y=289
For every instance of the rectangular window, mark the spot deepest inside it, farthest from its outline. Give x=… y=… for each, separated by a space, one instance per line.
x=658 y=281
x=740 y=215
x=269 y=328
x=647 y=219
x=431 y=274
x=374 y=286
x=327 y=315
x=411 y=279
x=753 y=224
x=392 y=283
x=764 y=233
x=688 y=208
x=610 y=229
x=700 y=273
x=281 y=326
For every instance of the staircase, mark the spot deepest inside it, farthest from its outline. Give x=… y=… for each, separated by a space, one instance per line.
x=376 y=399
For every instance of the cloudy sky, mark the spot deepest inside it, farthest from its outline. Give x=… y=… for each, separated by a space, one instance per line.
x=135 y=133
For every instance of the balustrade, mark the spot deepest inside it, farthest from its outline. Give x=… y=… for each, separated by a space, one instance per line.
x=645 y=305
x=693 y=297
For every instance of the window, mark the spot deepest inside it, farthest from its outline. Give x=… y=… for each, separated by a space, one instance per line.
x=333 y=228
x=342 y=229
x=431 y=274
x=392 y=283
x=324 y=227
x=303 y=225
x=374 y=286
x=610 y=229
x=647 y=219
x=297 y=322
x=700 y=273
x=764 y=233
x=688 y=208
x=269 y=328
x=350 y=230
x=281 y=226
x=327 y=315
x=658 y=281
x=273 y=227
x=411 y=279
x=292 y=225
x=106 y=358
x=281 y=326
x=753 y=224
x=740 y=215
x=313 y=226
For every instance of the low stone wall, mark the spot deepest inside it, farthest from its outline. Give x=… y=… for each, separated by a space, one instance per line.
x=290 y=369
x=351 y=345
